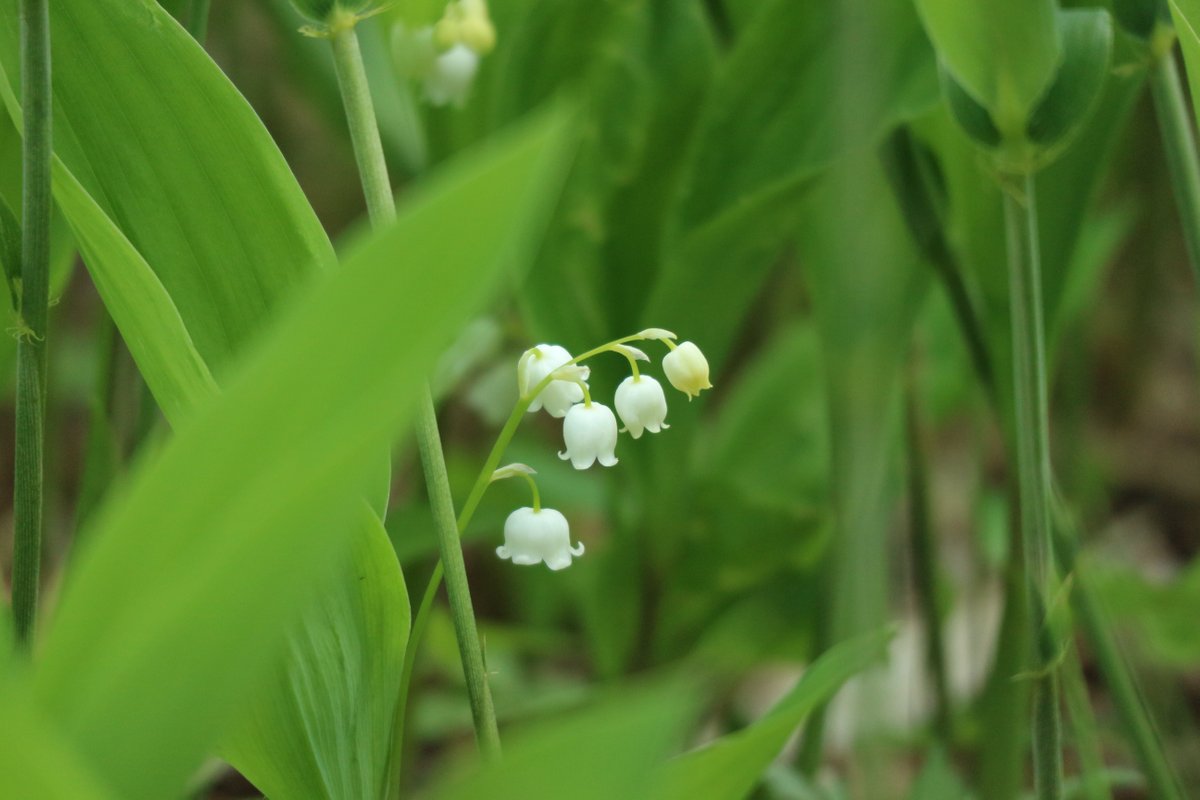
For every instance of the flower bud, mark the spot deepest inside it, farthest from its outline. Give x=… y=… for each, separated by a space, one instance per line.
x=532 y=536
x=590 y=431
x=641 y=404
x=687 y=369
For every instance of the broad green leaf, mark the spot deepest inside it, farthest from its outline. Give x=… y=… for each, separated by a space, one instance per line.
x=644 y=88
x=938 y=780
x=602 y=752
x=176 y=158
x=1140 y=17
x=758 y=130
x=868 y=282
x=730 y=767
x=191 y=576
x=135 y=298
x=323 y=727
x=1186 y=14
x=761 y=140
x=35 y=761
x=1004 y=54
x=1086 y=42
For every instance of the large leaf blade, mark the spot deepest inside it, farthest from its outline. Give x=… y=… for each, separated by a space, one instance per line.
x=178 y=160
x=214 y=547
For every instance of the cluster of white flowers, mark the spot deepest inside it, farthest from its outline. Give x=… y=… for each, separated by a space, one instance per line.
x=550 y=378
x=445 y=57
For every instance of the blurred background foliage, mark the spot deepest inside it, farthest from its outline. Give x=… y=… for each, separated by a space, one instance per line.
x=731 y=185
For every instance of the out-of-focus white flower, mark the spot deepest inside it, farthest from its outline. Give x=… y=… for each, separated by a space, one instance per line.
x=532 y=536
x=641 y=404
x=687 y=369
x=451 y=75
x=466 y=22
x=537 y=363
x=590 y=431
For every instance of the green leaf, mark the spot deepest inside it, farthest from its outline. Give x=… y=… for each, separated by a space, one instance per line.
x=729 y=768
x=607 y=751
x=1140 y=17
x=36 y=761
x=190 y=576
x=10 y=252
x=761 y=140
x=868 y=283
x=322 y=727
x=1186 y=14
x=1086 y=42
x=177 y=159
x=1003 y=54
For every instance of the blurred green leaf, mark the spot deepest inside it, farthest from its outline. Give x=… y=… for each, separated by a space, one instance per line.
x=1140 y=17
x=36 y=761
x=1157 y=611
x=760 y=141
x=730 y=767
x=868 y=284
x=177 y=159
x=192 y=575
x=602 y=752
x=643 y=89
x=10 y=251
x=1004 y=54
x=1086 y=42
x=938 y=780
x=323 y=727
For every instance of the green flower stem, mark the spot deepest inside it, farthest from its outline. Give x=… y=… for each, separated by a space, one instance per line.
x=1131 y=708
x=482 y=481
x=368 y=152
x=197 y=20
x=35 y=292
x=1179 y=141
x=924 y=555
x=1033 y=468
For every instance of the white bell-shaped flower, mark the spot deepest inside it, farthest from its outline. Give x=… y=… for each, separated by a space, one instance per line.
x=558 y=397
x=590 y=431
x=536 y=535
x=449 y=79
x=687 y=369
x=641 y=404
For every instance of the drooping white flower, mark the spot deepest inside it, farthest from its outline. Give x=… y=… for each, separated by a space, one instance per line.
x=687 y=369
x=559 y=395
x=451 y=76
x=641 y=404
x=532 y=536
x=590 y=431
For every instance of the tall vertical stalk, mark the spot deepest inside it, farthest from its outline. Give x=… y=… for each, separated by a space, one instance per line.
x=35 y=291
x=1033 y=467
x=1179 y=141
x=924 y=559
x=368 y=153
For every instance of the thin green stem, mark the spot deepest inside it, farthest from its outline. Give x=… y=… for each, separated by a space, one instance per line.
x=1123 y=689
x=364 y=130
x=1083 y=727
x=368 y=152
x=35 y=292
x=924 y=555
x=1179 y=142
x=197 y=20
x=537 y=496
x=1033 y=468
